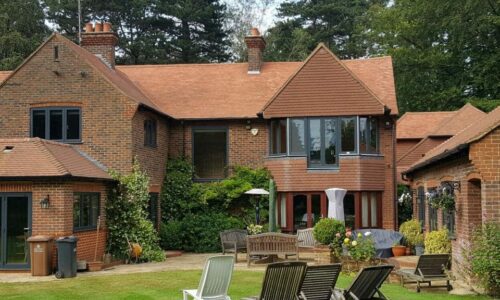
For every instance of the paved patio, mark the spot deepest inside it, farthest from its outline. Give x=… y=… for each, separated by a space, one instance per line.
x=187 y=261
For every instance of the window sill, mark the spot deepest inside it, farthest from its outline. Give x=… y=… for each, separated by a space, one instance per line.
x=83 y=229
x=335 y=169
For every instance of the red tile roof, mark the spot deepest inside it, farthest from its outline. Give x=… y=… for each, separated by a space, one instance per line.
x=455 y=123
x=417 y=125
x=221 y=91
x=475 y=131
x=34 y=157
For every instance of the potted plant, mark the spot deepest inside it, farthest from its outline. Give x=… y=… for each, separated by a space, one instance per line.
x=398 y=250
x=412 y=232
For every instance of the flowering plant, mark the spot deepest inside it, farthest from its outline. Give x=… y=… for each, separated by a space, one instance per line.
x=362 y=248
x=254 y=229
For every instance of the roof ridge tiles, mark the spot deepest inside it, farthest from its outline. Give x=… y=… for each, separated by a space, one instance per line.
x=41 y=144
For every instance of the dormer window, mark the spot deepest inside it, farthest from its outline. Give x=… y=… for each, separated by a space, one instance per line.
x=59 y=123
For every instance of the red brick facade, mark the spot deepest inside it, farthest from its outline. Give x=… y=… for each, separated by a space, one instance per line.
x=478 y=199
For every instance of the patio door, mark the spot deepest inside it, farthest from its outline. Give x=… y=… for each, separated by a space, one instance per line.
x=15 y=228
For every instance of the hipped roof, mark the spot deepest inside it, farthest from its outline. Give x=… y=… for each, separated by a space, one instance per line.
x=34 y=157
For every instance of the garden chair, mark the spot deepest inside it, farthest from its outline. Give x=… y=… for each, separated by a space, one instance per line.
x=320 y=282
x=367 y=283
x=214 y=281
x=430 y=267
x=306 y=238
x=233 y=241
x=282 y=281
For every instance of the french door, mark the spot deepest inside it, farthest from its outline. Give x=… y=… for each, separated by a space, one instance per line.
x=15 y=228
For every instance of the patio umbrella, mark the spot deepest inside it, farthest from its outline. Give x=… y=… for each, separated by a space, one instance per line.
x=257 y=193
x=336 y=203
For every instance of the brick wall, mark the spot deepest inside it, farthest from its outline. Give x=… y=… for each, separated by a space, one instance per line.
x=245 y=149
x=477 y=201
x=106 y=112
x=151 y=159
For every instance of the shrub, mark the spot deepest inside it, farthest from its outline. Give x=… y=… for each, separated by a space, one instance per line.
x=362 y=248
x=412 y=231
x=126 y=216
x=254 y=229
x=485 y=257
x=326 y=229
x=437 y=242
x=198 y=232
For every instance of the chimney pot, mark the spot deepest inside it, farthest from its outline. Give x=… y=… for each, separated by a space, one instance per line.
x=254 y=32
x=89 y=27
x=98 y=27
x=255 y=46
x=101 y=42
x=106 y=27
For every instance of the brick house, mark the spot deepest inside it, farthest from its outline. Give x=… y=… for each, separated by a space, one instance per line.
x=467 y=164
x=315 y=124
x=419 y=132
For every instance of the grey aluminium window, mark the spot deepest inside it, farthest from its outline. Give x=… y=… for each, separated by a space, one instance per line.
x=150 y=133
x=210 y=152
x=85 y=210
x=297 y=136
x=57 y=123
x=348 y=131
x=278 y=137
x=368 y=135
x=322 y=136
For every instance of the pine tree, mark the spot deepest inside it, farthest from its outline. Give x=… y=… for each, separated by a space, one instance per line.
x=198 y=33
x=22 y=29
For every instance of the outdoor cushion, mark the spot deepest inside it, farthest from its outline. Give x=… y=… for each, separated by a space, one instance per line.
x=384 y=240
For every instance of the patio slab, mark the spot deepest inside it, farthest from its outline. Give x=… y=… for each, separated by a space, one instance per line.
x=187 y=261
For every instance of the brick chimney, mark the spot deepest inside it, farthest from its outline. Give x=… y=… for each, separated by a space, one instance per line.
x=255 y=44
x=101 y=41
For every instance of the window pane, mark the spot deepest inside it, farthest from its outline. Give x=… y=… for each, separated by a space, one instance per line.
x=73 y=124
x=283 y=210
x=363 y=138
x=85 y=210
x=282 y=136
x=373 y=135
x=94 y=209
x=330 y=141
x=56 y=121
x=76 y=210
x=315 y=142
x=348 y=129
x=297 y=136
x=210 y=154
x=38 y=124
x=349 y=213
x=373 y=209
x=364 y=210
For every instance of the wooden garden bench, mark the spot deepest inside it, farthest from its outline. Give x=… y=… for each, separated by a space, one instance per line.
x=272 y=244
x=306 y=239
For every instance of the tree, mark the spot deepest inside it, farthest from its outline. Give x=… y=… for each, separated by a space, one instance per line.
x=141 y=33
x=444 y=52
x=197 y=33
x=22 y=29
x=308 y=22
x=242 y=15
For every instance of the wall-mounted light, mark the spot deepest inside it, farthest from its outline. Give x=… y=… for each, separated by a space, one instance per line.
x=45 y=202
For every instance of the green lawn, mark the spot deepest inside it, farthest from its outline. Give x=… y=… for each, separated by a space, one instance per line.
x=166 y=285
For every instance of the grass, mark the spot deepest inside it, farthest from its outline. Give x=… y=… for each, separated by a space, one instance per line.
x=167 y=285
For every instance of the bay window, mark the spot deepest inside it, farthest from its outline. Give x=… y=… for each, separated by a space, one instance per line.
x=323 y=139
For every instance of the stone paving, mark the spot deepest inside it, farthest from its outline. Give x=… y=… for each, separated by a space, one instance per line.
x=187 y=261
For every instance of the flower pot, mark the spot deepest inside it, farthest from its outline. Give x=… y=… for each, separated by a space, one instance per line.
x=419 y=250
x=95 y=266
x=398 y=250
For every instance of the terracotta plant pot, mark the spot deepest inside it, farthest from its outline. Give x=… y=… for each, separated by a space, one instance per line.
x=398 y=250
x=95 y=266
